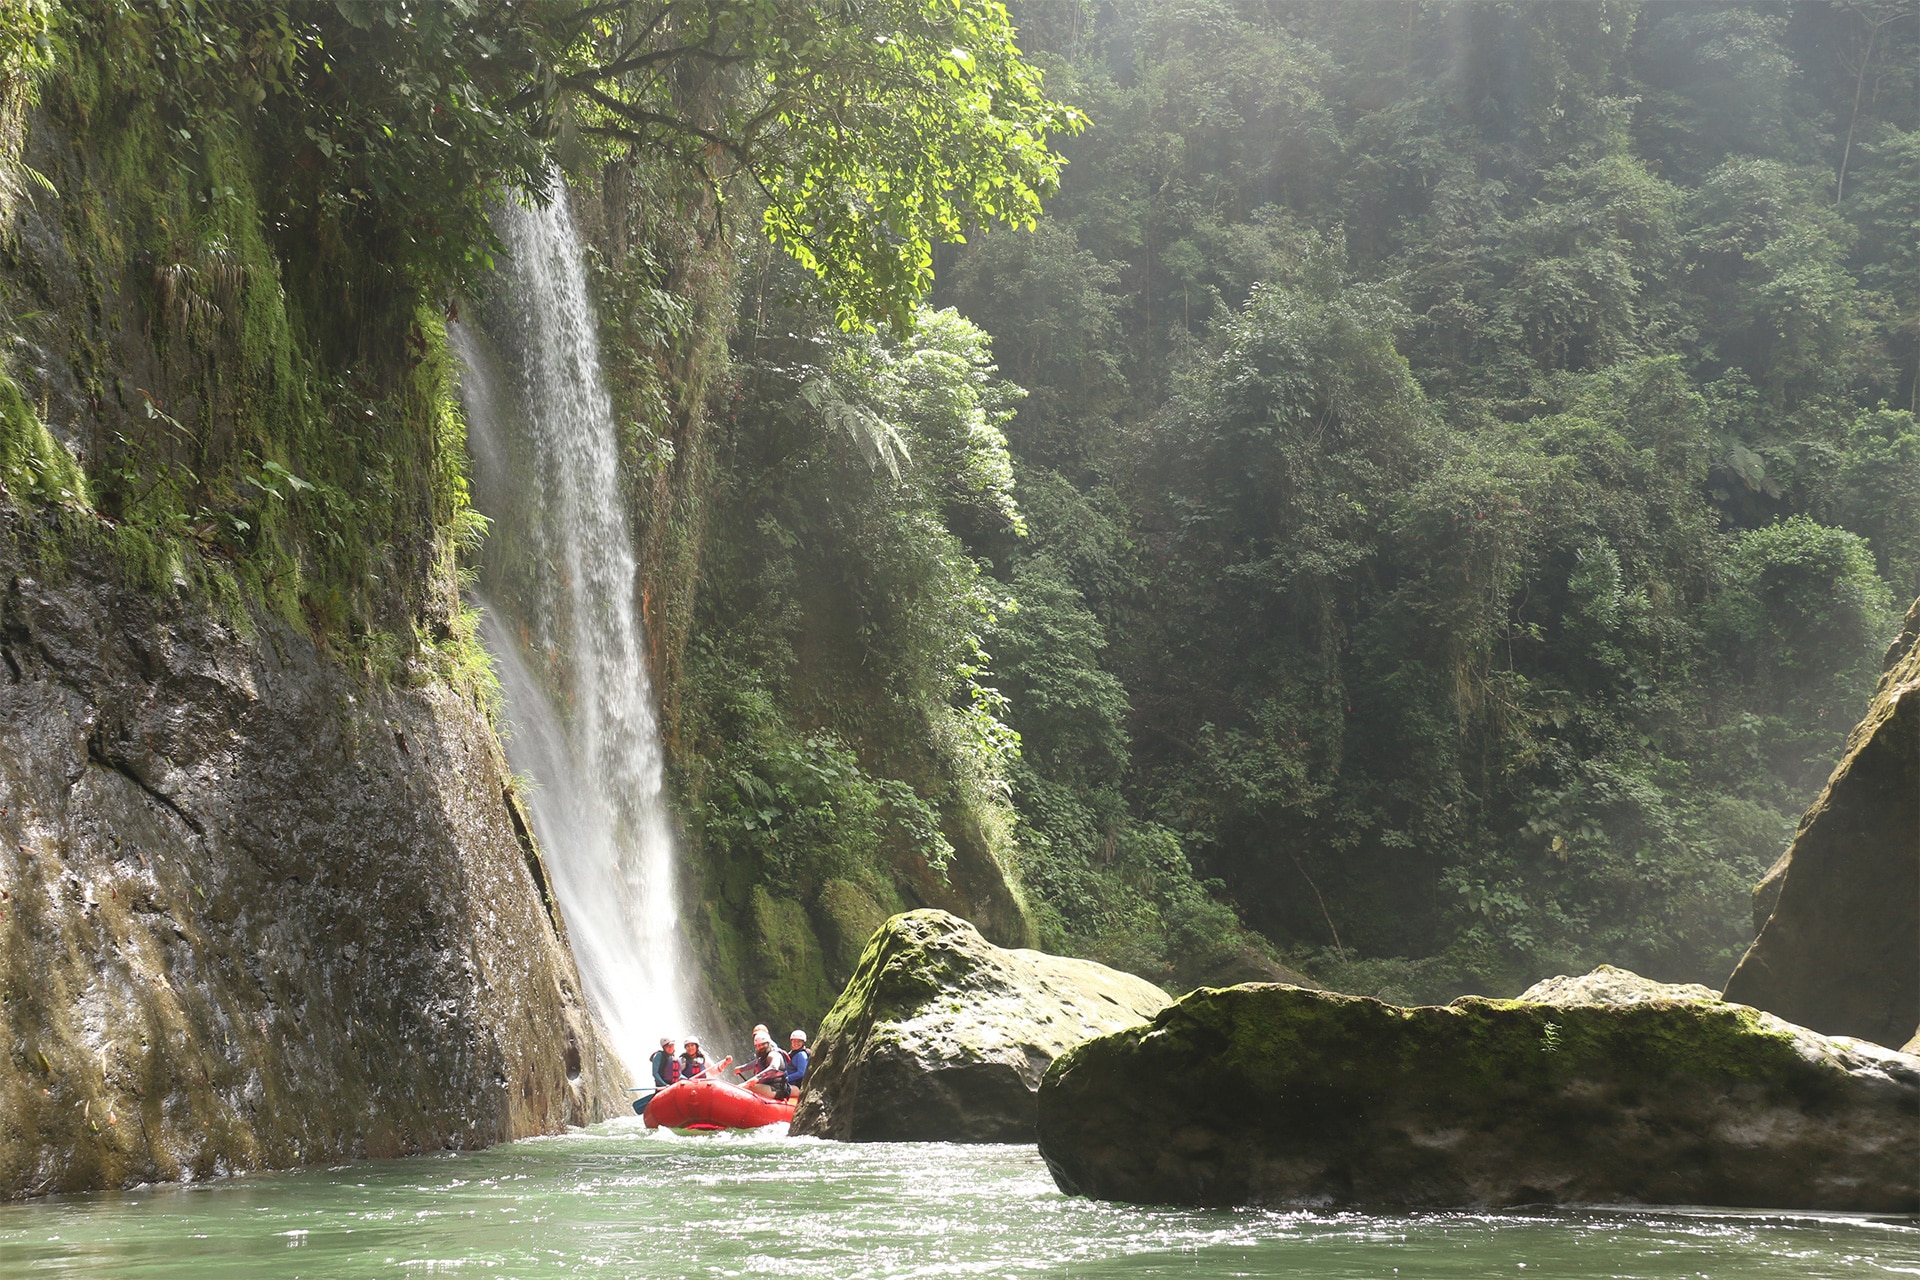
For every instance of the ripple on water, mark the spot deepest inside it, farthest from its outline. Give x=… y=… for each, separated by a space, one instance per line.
x=616 y=1202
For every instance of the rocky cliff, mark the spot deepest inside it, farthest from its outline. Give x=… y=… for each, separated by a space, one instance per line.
x=1839 y=914
x=255 y=911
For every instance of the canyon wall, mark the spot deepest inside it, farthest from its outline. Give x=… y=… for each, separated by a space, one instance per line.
x=258 y=911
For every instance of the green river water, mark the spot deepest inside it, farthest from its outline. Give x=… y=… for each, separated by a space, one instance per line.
x=616 y=1202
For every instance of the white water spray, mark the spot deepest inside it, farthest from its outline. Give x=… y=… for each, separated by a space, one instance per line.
x=599 y=804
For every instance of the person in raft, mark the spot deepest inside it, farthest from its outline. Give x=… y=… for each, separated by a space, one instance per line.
x=797 y=1058
x=666 y=1066
x=693 y=1063
x=767 y=1072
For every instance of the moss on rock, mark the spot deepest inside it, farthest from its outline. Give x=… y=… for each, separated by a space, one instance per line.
x=788 y=961
x=1270 y=1094
x=942 y=1036
x=848 y=918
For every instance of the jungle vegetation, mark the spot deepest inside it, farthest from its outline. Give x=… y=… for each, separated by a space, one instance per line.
x=1469 y=467
x=1417 y=497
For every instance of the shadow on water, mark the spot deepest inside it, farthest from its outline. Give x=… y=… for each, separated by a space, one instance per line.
x=616 y=1201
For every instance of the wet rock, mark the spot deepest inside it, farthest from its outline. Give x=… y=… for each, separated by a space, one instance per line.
x=1839 y=914
x=255 y=910
x=1620 y=1091
x=943 y=1037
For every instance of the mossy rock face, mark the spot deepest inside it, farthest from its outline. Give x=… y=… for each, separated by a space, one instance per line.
x=787 y=959
x=849 y=916
x=1839 y=914
x=942 y=1036
x=1622 y=1092
x=256 y=911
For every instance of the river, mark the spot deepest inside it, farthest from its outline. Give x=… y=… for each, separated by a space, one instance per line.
x=619 y=1203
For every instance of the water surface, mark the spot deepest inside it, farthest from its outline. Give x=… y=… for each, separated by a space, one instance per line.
x=615 y=1202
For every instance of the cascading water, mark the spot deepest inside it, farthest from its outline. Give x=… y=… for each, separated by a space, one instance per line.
x=563 y=624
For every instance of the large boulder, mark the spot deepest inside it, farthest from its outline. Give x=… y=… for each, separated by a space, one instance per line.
x=1620 y=1091
x=943 y=1037
x=1839 y=946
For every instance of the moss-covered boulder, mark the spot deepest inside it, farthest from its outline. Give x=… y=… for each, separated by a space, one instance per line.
x=1839 y=914
x=942 y=1036
x=1620 y=1092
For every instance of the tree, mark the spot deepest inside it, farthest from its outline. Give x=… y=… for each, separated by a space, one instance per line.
x=872 y=128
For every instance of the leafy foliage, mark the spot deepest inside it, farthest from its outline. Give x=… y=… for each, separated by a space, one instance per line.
x=872 y=130
x=304 y=188
x=1486 y=409
x=842 y=738
x=1467 y=461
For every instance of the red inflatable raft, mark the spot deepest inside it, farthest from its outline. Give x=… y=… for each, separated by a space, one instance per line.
x=707 y=1105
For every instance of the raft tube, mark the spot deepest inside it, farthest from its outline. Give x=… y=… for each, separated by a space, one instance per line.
x=705 y=1106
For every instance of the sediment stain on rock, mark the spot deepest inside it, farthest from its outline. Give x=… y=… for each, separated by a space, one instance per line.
x=255 y=911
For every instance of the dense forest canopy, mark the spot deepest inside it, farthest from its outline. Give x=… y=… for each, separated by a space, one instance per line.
x=1422 y=503
x=1469 y=465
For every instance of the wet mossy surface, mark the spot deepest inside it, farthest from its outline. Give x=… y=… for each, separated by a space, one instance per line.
x=942 y=1036
x=1272 y=1094
x=255 y=910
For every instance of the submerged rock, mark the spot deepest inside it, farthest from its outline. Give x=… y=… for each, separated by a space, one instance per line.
x=1839 y=914
x=1621 y=1091
x=943 y=1037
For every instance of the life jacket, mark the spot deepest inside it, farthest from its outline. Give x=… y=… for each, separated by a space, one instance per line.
x=666 y=1068
x=692 y=1064
x=797 y=1063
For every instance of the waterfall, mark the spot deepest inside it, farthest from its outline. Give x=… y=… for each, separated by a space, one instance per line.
x=564 y=627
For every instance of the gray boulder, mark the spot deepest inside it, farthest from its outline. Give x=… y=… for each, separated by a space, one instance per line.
x=1610 y=986
x=1619 y=1091
x=943 y=1037
x=1839 y=914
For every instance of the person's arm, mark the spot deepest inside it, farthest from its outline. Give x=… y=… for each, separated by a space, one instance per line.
x=797 y=1067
